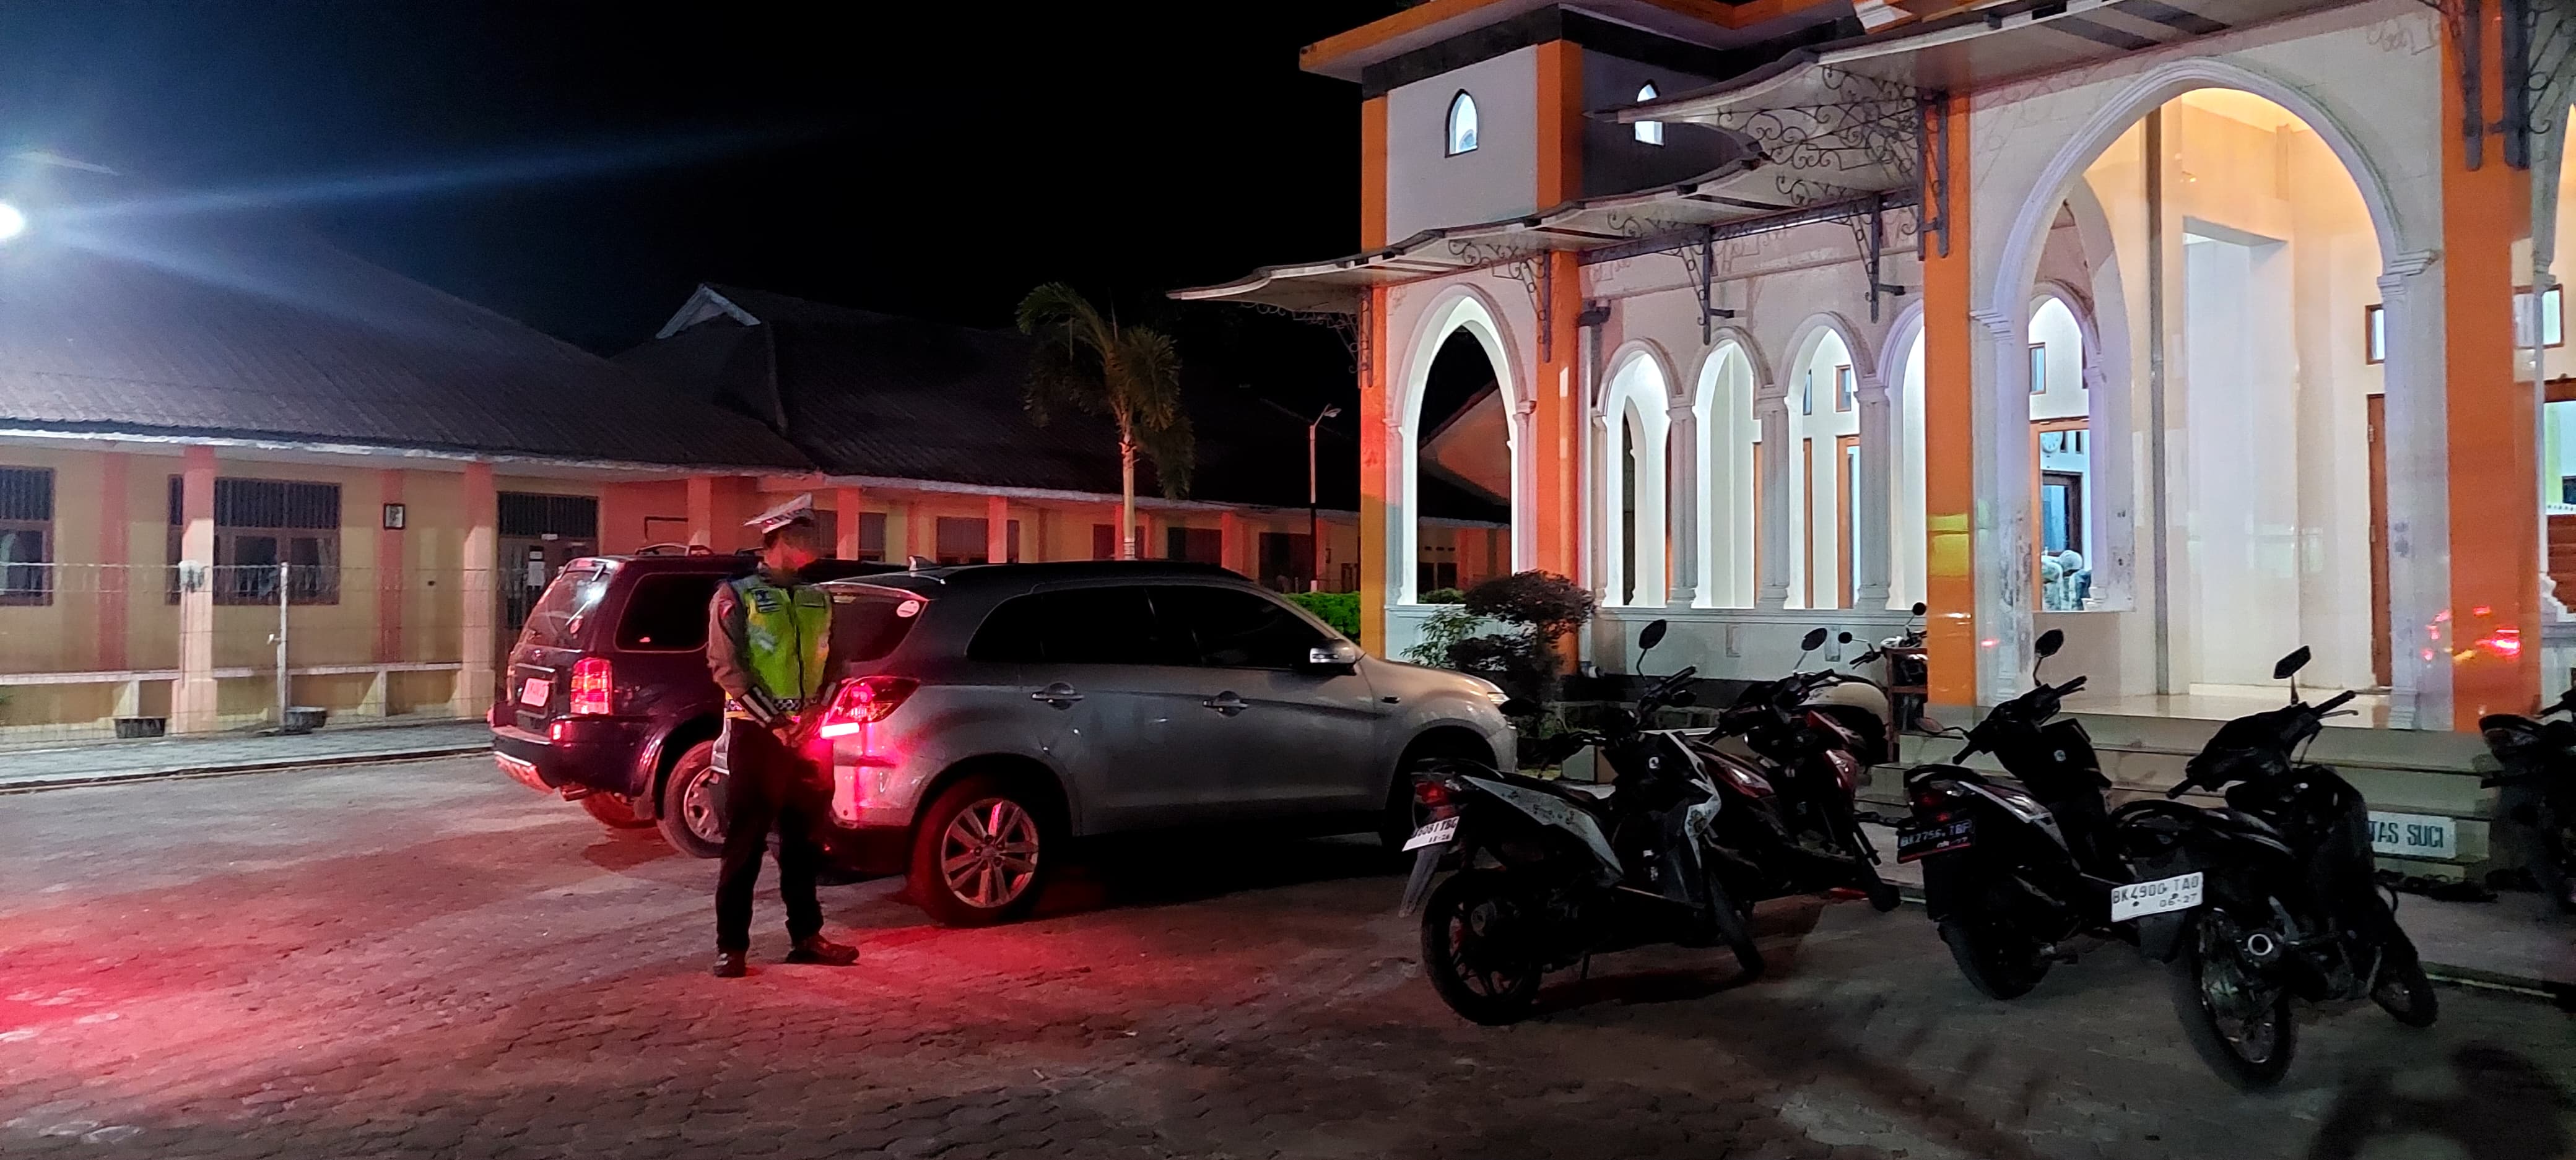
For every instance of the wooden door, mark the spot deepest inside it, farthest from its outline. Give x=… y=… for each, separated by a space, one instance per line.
x=1846 y=461
x=2381 y=657
x=1804 y=543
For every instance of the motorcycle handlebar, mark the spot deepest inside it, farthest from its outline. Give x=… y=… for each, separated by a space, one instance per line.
x=2335 y=702
x=2070 y=686
x=2180 y=788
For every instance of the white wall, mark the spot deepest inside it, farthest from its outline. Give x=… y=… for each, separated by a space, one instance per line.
x=1425 y=187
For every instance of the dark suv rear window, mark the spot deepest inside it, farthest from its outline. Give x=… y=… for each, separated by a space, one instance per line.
x=867 y=623
x=668 y=613
x=563 y=612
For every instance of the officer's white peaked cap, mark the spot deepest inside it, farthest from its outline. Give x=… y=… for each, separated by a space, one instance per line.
x=799 y=510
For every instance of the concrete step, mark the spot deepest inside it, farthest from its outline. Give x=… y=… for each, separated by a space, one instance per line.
x=2406 y=774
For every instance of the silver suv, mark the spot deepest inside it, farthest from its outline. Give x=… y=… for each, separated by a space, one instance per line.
x=995 y=710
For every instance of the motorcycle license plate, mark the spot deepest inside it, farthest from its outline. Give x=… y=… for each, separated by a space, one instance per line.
x=1433 y=834
x=2140 y=899
x=1916 y=840
x=536 y=691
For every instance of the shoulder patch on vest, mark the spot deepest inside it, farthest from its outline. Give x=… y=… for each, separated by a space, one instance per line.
x=765 y=599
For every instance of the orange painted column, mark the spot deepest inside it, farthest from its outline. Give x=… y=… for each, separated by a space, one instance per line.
x=1949 y=439
x=1559 y=425
x=1373 y=173
x=192 y=701
x=2494 y=468
x=115 y=534
x=1376 y=435
x=849 y=510
x=479 y=590
x=702 y=511
x=1377 y=458
x=390 y=588
x=997 y=530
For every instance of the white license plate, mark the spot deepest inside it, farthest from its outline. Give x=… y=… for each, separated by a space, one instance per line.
x=1433 y=834
x=535 y=692
x=2140 y=899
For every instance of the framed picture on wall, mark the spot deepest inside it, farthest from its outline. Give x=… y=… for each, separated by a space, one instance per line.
x=394 y=516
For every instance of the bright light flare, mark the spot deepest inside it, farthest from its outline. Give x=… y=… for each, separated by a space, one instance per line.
x=12 y=222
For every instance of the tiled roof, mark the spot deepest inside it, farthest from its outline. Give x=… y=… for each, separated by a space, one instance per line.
x=868 y=394
x=182 y=328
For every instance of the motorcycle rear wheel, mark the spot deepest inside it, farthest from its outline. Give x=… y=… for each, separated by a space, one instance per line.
x=2207 y=975
x=1998 y=963
x=1476 y=933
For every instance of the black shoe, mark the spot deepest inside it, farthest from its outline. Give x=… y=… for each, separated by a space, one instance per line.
x=820 y=951
x=730 y=965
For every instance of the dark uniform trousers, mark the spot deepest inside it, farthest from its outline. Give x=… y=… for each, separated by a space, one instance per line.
x=767 y=787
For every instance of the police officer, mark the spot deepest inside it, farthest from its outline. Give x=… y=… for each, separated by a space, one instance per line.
x=769 y=646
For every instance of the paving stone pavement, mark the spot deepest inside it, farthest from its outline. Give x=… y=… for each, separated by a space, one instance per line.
x=429 y=961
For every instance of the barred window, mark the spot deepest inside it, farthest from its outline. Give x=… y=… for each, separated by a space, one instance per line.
x=566 y=517
x=26 y=535
x=260 y=524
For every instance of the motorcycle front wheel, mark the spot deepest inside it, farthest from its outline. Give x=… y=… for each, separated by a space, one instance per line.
x=2404 y=991
x=1998 y=961
x=2240 y=1027
x=1477 y=947
x=1735 y=925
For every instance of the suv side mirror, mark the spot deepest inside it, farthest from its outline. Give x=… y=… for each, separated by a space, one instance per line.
x=1339 y=654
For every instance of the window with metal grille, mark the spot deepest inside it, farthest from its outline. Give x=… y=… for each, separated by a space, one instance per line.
x=565 y=517
x=26 y=535
x=259 y=525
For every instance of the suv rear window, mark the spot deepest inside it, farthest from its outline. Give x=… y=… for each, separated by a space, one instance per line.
x=668 y=613
x=558 y=618
x=867 y=623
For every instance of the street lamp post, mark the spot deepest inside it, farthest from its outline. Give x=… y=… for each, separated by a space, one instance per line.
x=1314 y=520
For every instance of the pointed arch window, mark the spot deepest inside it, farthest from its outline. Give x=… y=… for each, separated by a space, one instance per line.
x=1462 y=124
x=1650 y=132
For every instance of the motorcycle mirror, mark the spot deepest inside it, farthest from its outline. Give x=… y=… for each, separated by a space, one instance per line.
x=1815 y=639
x=1842 y=638
x=2049 y=642
x=2291 y=664
x=1920 y=608
x=1652 y=636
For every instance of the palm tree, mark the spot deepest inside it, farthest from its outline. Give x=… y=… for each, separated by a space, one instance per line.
x=1129 y=374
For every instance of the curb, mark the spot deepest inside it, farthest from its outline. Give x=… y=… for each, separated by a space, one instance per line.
x=278 y=766
x=2524 y=986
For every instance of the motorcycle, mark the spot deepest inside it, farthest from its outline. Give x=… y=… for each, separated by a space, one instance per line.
x=2539 y=792
x=1549 y=874
x=1905 y=668
x=1816 y=732
x=2010 y=876
x=2268 y=898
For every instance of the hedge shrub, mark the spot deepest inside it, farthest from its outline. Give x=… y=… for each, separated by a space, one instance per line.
x=1338 y=609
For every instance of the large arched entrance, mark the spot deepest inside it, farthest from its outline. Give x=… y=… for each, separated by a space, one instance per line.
x=2241 y=266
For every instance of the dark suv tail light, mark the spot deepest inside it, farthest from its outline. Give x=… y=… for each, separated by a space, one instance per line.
x=593 y=686
x=864 y=702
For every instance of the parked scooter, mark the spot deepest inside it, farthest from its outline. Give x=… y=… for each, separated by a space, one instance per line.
x=1905 y=670
x=2539 y=798
x=2269 y=897
x=1550 y=874
x=2011 y=876
x=1815 y=745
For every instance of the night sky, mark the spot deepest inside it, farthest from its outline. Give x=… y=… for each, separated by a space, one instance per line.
x=581 y=166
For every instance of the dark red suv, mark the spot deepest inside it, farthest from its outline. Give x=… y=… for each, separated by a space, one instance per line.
x=607 y=698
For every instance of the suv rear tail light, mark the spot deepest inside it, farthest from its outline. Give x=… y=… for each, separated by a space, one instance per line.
x=864 y=702
x=593 y=682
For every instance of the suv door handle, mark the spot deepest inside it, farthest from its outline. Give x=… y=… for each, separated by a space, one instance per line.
x=1227 y=703
x=1058 y=694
